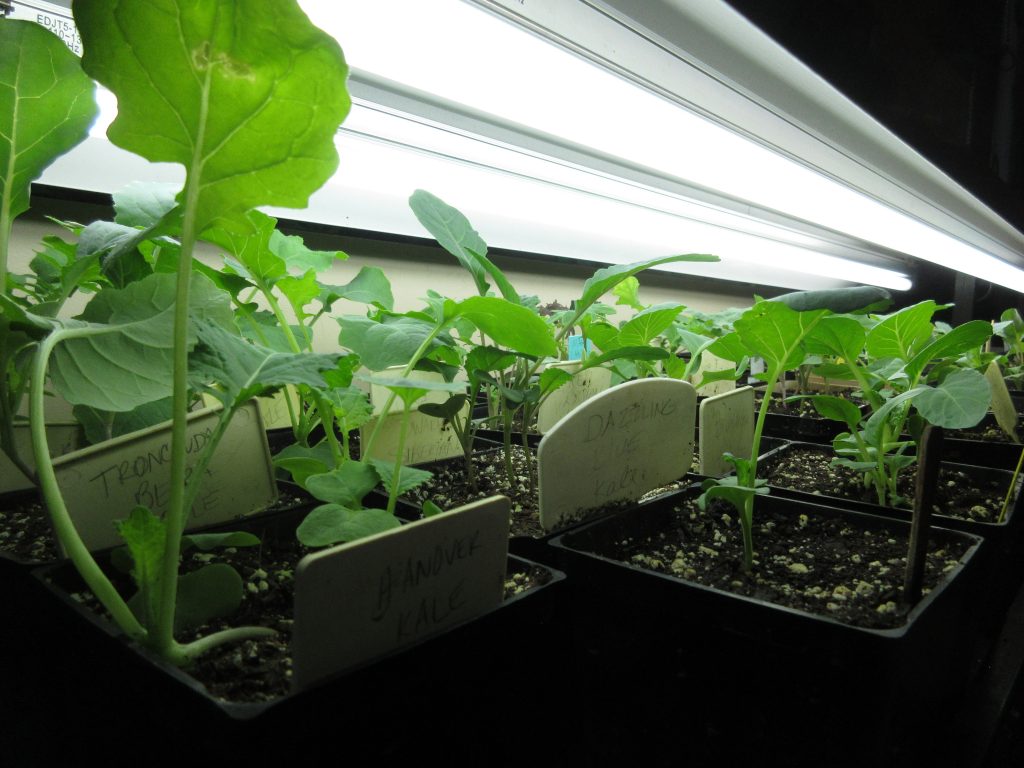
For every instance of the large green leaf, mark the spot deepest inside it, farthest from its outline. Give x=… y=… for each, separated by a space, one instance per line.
x=774 y=332
x=453 y=232
x=838 y=335
x=607 y=278
x=959 y=402
x=46 y=108
x=241 y=370
x=381 y=345
x=369 y=286
x=729 y=347
x=902 y=333
x=510 y=325
x=961 y=339
x=143 y=203
x=247 y=95
x=647 y=325
x=126 y=361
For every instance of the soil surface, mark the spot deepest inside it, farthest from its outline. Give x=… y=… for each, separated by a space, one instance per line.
x=450 y=487
x=962 y=494
x=816 y=563
x=259 y=670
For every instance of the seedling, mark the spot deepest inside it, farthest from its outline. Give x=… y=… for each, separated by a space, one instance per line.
x=778 y=331
x=219 y=98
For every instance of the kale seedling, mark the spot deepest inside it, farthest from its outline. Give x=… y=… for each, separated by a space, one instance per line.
x=250 y=110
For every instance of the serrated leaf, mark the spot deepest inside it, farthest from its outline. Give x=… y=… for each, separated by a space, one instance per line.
x=128 y=362
x=510 y=325
x=242 y=370
x=901 y=334
x=628 y=293
x=346 y=485
x=247 y=98
x=143 y=203
x=382 y=345
x=774 y=332
x=293 y=252
x=333 y=524
x=729 y=347
x=144 y=535
x=46 y=108
x=247 y=240
x=553 y=378
x=644 y=327
x=408 y=478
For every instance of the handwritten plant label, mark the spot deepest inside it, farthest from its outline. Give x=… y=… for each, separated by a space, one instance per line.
x=103 y=483
x=274 y=410
x=709 y=364
x=618 y=445
x=379 y=394
x=355 y=602
x=62 y=438
x=581 y=388
x=427 y=438
x=726 y=424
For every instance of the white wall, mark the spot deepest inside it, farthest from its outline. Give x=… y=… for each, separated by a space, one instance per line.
x=412 y=268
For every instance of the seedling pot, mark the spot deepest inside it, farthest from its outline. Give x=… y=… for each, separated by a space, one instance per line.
x=739 y=676
x=1002 y=560
x=445 y=680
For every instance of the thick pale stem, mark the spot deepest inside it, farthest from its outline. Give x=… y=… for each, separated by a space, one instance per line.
x=62 y=523
x=185 y=654
x=163 y=634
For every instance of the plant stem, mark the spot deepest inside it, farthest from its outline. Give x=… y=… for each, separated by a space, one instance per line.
x=62 y=523
x=396 y=475
x=188 y=652
x=365 y=450
x=162 y=636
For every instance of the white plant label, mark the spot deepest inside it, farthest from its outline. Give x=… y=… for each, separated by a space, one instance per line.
x=581 y=388
x=427 y=438
x=709 y=364
x=62 y=438
x=355 y=602
x=617 y=446
x=726 y=424
x=103 y=483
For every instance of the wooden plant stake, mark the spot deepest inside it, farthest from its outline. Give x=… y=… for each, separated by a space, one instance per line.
x=928 y=461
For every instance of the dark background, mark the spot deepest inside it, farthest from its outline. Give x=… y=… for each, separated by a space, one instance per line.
x=943 y=75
